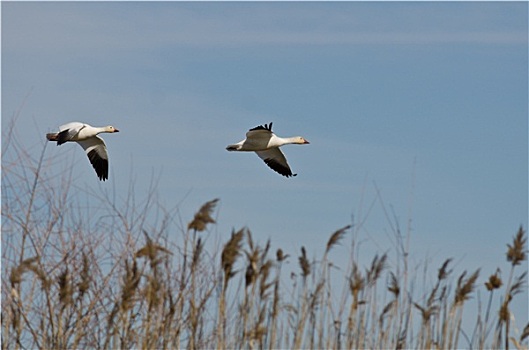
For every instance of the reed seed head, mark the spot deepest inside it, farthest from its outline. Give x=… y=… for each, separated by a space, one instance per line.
x=65 y=287
x=230 y=253
x=84 y=284
x=280 y=256
x=151 y=250
x=377 y=266
x=516 y=253
x=465 y=287
x=443 y=270
x=131 y=281
x=253 y=258
x=203 y=216
x=336 y=237
x=504 y=313
x=251 y=273
x=494 y=281
x=265 y=270
x=304 y=263
x=427 y=312
x=265 y=288
x=394 y=285
x=356 y=281
x=16 y=274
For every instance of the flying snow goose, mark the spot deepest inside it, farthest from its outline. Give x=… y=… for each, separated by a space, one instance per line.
x=86 y=136
x=265 y=143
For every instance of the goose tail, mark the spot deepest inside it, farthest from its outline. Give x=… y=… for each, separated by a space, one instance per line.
x=52 y=136
x=233 y=147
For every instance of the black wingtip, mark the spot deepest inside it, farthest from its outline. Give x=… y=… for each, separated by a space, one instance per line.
x=99 y=164
x=263 y=127
x=279 y=168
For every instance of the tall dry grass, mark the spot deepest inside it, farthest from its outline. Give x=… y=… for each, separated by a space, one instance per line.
x=93 y=271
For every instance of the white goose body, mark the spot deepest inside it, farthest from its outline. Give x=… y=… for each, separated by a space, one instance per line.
x=86 y=136
x=265 y=143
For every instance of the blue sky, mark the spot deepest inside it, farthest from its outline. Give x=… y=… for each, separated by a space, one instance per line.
x=423 y=103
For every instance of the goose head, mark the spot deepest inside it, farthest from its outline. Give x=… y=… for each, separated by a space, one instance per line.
x=111 y=129
x=300 y=140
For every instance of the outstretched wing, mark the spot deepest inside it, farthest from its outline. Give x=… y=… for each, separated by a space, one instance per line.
x=263 y=127
x=256 y=138
x=276 y=160
x=96 y=151
x=260 y=131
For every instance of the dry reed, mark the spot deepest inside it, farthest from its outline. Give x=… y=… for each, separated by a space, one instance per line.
x=130 y=282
